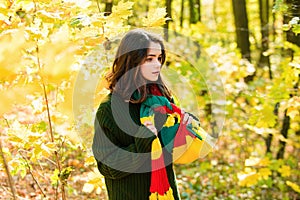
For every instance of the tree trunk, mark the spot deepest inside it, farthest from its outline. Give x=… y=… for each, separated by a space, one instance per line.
x=108 y=7
x=264 y=28
x=198 y=3
x=193 y=17
x=241 y=27
x=284 y=133
x=293 y=11
x=269 y=138
x=169 y=14
x=181 y=13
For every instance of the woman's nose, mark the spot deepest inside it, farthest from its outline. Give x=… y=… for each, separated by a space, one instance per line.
x=157 y=63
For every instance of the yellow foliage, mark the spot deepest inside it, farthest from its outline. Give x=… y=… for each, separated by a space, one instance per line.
x=122 y=10
x=155 y=17
x=285 y=170
x=199 y=29
x=95 y=182
x=13 y=44
x=83 y=4
x=294 y=186
x=293 y=107
x=264 y=162
x=264 y=173
x=16 y=95
x=253 y=161
x=57 y=56
x=90 y=160
x=248 y=179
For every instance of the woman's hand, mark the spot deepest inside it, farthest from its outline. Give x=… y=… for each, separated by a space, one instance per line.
x=187 y=119
x=151 y=127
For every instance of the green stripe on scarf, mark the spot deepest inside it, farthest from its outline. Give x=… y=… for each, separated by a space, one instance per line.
x=185 y=142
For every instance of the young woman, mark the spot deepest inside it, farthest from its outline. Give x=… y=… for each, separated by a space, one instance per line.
x=122 y=144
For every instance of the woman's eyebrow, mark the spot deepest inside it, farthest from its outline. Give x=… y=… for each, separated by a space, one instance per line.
x=153 y=55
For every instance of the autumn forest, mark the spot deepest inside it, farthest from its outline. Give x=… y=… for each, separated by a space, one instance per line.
x=235 y=64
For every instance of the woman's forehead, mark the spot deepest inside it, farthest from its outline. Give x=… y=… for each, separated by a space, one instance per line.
x=154 y=48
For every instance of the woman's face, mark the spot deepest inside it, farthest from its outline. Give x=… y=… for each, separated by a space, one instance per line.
x=150 y=69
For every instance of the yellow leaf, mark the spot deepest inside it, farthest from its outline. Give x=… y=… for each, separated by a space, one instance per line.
x=51 y=146
x=55 y=178
x=98 y=190
x=33 y=138
x=12 y=43
x=26 y=5
x=88 y=188
x=264 y=173
x=292 y=112
x=14 y=164
x=90 y=160
x=155 y=17
x=248 y=179
x=14 y=138
x=266 y=117
x=48 y=149
x=56 y=60
x=252 y=162
x=199 y=28
x=264 y=162
x=122 y=10
x=83 y=4
x=45 y=1
x=37 y=149
x=285 y=170
x=5 y=4
x=49 y=17
x=15 y=95
x=294 y=186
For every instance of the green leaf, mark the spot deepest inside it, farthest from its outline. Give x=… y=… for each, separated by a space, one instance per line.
x=296 y=29
x=40 y=127
x=286 y=27
x=55 y=178
x=279 y=6
x=65 y=173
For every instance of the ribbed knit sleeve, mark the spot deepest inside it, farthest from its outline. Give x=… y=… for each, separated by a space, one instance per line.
x=121 y=145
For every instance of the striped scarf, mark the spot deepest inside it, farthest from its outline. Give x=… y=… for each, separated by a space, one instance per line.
x=185 y=142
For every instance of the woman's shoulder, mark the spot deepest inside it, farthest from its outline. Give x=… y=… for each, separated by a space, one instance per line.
x=105 y=102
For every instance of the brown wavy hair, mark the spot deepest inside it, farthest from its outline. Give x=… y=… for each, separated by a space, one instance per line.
x=125 y=77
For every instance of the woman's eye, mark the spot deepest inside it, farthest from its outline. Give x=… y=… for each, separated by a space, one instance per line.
x=159 y=59
x=149 y=59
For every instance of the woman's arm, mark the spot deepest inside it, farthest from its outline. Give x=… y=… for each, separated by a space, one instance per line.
x=114 y=160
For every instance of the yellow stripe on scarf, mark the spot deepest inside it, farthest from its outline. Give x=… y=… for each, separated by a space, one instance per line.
x=149 y=118
x=167 y=196
x=171 y=119
x=194 y=148
x=156 y=151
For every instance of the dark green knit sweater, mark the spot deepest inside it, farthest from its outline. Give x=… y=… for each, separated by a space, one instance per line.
x=122 y=149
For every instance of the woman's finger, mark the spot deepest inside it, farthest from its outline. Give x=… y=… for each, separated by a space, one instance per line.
x=185 y=118
x=190 y=119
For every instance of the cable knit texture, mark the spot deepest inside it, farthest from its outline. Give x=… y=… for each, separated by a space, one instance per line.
x=122 y=148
